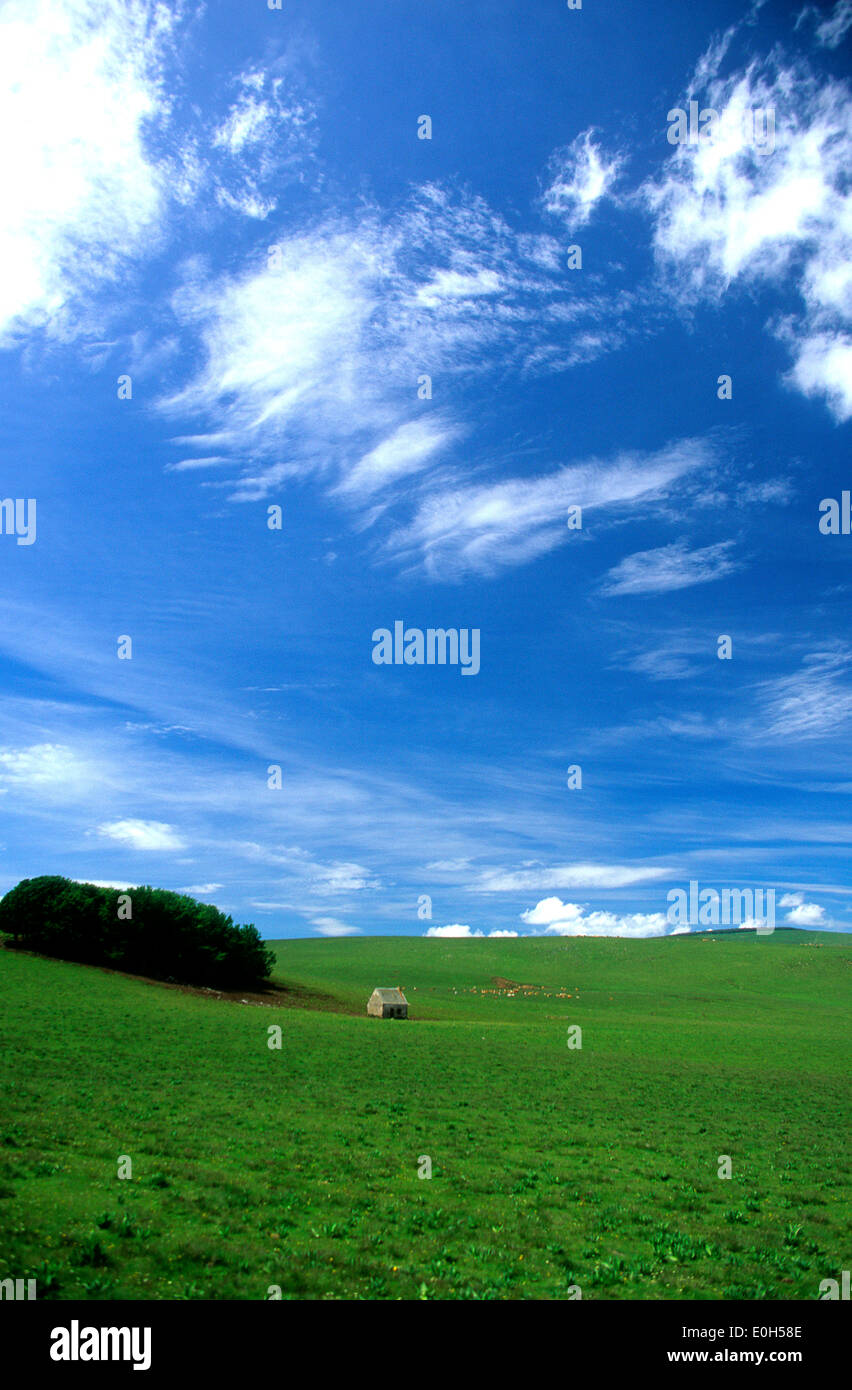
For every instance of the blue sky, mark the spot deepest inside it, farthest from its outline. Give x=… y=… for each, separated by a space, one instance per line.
x=231 y=206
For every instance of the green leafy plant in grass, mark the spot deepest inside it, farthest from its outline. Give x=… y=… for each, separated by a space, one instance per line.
x=97 y=1065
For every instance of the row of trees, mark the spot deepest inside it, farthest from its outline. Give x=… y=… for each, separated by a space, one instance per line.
x=146 y=931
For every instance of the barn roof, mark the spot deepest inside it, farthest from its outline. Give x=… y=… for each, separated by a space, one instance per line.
x=390 y=996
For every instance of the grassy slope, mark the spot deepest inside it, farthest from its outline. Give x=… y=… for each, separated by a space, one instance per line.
x=551 y=1166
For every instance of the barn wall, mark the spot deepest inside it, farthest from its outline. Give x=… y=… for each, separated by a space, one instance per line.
x=377 y=1009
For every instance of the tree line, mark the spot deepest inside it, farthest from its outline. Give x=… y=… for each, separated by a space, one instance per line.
x=145 y=931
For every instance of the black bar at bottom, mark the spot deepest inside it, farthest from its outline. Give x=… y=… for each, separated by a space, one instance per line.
x=239 y=1340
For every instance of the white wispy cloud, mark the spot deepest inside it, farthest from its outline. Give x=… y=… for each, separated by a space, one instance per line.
x=41 y=762
x=249 y=120
x=266 y=138
x=78 y=82
x=341 y=878
x=142 y=834
x=669 y=567
x=285 y=354
x=332 y=926
x=490 y=526
x=50 y=773
x=311 y=356
x=99 y=159
x=831 y=31
x=269 y=102
x=453 y=284
x=727 y=212
x=568 y=876
x=811 y=703
x=580 y=176
x=407 y=450
x=186 y=465
x=665 y=664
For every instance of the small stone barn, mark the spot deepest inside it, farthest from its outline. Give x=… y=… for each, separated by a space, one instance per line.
x=387 y=1003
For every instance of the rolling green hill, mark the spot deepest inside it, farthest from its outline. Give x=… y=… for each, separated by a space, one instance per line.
x=552 y=1166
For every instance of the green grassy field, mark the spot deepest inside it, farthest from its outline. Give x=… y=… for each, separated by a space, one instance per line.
x=551 y=1166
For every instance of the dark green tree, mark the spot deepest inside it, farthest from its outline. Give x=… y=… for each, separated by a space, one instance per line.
x=165 y=935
